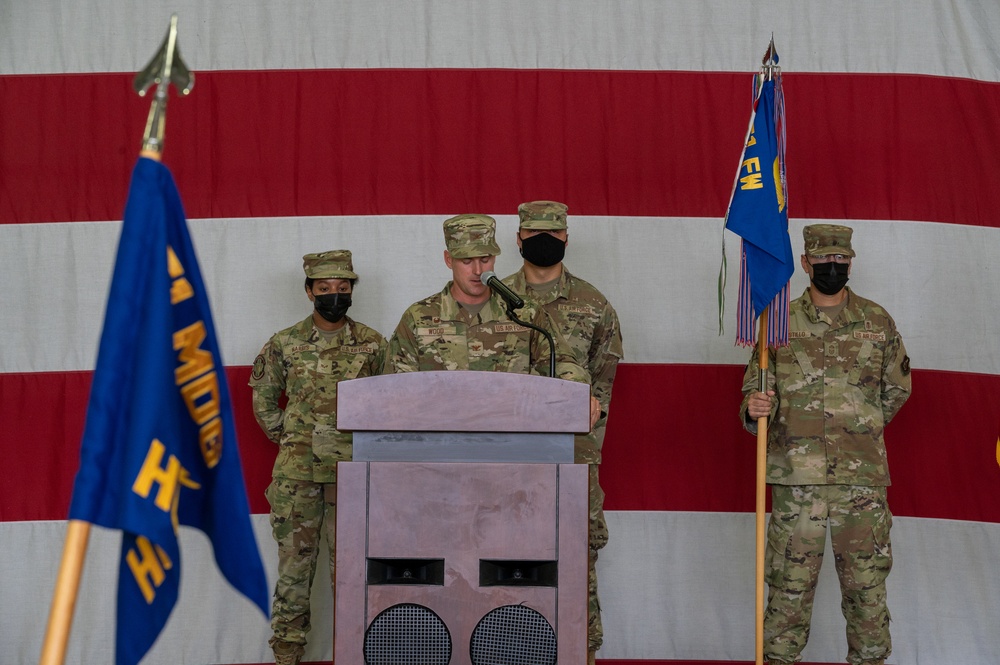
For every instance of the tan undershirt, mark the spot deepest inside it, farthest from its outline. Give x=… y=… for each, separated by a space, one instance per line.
x=543 y=290
x=834 y=310
x=330 y=335
x=473 y=310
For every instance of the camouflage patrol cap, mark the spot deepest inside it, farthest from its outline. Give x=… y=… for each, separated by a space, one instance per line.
x=468 y=236
x=335 y=264
x=542 y=215
x=825 y=239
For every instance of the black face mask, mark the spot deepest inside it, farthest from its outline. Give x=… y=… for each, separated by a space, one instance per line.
x=333 y=306
x=543 y=250
x=830 y=277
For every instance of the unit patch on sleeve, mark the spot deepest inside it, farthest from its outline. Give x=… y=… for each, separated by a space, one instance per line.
x=258 y=367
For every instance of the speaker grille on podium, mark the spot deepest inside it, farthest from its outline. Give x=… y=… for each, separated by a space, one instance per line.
x=407 y=633
x=513 y=635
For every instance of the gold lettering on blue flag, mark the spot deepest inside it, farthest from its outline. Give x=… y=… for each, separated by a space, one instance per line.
x=752 y=179
x=169 y=479
x=197 y=378
x=148 y=566
x=180 y=288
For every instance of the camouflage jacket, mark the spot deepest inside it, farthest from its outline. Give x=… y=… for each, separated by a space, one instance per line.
x=306 y=367
x=436 y=333
x=589 y=324
x=836 y=385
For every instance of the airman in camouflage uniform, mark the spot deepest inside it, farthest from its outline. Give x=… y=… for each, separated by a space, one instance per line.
x=589 y=324
x=305 y=362
x=465 y=326
x=833 y=390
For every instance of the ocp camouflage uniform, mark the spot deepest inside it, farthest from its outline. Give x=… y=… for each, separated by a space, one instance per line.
x=837 y=385
x=437 y=333
x=306 y=364
x=589 y=324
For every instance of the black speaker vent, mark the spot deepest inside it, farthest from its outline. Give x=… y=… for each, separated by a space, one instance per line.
x=496 y=572
x=513 y=635
x=406 y=634
x=405 y=571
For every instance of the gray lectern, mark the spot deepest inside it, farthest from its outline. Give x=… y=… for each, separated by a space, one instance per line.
x=462 y=521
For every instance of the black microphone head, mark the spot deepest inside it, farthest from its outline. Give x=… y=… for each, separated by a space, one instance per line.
x=487 y=276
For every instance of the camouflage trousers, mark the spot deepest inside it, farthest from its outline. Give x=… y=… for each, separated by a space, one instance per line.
x=859 y=521
x=300 y=510
x=598 y=539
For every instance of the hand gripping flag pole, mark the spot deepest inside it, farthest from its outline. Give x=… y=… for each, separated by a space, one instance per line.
x=159 y=446
x=758 y=213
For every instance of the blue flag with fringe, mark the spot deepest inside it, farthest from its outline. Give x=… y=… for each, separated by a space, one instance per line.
x=159 y=445
x=758 y=213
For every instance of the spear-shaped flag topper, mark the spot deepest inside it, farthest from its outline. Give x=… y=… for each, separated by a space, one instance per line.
x=165 y=68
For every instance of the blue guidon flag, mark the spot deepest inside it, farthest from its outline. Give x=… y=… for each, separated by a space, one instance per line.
x=758 y=213
x=159 y=446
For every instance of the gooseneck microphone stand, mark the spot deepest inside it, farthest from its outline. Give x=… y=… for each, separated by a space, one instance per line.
x=548 y=336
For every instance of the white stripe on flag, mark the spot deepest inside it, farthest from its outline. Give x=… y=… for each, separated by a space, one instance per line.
x=936 y=37
x=660 y=273
x=673 y=585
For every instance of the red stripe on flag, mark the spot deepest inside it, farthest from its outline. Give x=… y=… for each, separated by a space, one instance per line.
x=696 y=456
x=692 y=457
x=358 y=142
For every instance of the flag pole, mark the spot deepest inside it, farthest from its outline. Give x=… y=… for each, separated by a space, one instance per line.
x=755 y=213
x=64 y=596
x=166 y=67
x=768 y=70
x=761 y=492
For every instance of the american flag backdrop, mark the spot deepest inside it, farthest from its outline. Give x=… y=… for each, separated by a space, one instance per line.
x=363 y=124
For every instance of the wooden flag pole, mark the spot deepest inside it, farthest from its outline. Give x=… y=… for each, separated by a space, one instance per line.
x=64 y=596
x=761 y=488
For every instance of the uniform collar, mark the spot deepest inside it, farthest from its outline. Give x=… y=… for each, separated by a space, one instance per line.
x=853 y=311
x=307 y=331
x=493 y=310
x=562 y=286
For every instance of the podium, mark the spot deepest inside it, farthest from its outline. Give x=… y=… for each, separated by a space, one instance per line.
x=462 y=521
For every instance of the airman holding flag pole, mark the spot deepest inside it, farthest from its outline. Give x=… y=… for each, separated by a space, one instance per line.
x=159 y=446
x=835 y=387
x=758 y=212
x=840 y=374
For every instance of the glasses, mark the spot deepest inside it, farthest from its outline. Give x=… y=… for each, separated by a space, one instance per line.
x=830 y=258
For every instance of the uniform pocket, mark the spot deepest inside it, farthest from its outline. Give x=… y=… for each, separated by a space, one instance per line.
x=882 y=554
x=866 y=558
x=281 y=508
x=776 y=555
x=354 y=369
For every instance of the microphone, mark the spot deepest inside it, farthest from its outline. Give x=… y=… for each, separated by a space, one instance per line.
x=514 y=301
x=490 y=279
